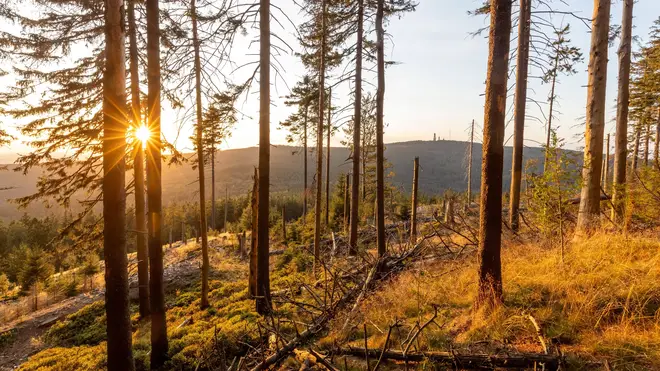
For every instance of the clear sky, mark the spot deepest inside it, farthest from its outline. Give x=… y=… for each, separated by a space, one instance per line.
x=438 y=83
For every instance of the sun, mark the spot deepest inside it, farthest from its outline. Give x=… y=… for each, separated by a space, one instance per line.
x=143 y=134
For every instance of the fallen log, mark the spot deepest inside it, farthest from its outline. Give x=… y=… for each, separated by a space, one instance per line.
x=461 y=361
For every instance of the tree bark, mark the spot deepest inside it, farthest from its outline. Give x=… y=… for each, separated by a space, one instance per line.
x=305 y=189
x=380 y=147
x=589 y=211
x=469 y=169
x=226 y=207
x=138 y=170
x=647 y=143
x=413 y=212
x=159 y=343
x=357 y=121
x=607 y=163
x=213 y=209
x=263 y=303
x=327 y=160
x=203 y=230
x=318 y=209
x=252 y=278
x=347 y=203
x=119 y=345
x=656 y=150
x=490 y=224
x=519 y=116
x=623 y=98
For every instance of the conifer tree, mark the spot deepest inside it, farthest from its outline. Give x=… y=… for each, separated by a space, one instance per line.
x=115 y=118
x=589 y=211
x=490 y=223
x=159 y=341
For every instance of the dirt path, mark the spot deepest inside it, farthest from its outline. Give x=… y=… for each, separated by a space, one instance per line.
x=28 y=329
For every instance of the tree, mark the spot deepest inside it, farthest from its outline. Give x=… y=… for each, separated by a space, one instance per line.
x=562 y=60
x=37 y=270
x=138 y=167
x=159 y=343
x=200 y=160
x=524 y=25
x=263 y=302
x=355 y=193
x=319 y=138
x=589 y=211
x=490 y=223
x=119 y=346
x=219 y=119
x=304 y=95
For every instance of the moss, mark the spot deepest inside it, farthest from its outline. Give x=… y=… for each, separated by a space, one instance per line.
x=7 y=338
x=85 y=327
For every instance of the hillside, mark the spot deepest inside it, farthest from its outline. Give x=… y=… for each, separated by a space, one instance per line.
x=443 y=166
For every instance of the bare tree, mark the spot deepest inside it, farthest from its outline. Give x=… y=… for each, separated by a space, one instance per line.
x=159 y=343
x=204 y=302
x=119 y=346
x=490 y=224
x=524 y=24
x=357 y=120
x=319 y=141
x=263 y=302
x=589 y=211
x=138 y=169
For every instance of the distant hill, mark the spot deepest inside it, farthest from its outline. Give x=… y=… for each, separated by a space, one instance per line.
x=443 y=166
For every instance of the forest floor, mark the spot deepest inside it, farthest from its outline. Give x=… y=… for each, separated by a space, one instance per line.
x=596 y=308
x=22 y=337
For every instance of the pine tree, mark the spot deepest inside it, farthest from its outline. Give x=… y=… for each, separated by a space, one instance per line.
x=524 y=26
x=119 y=346
x=263 y=275
x=589 y=211
x=159 y=342
x=490 y=223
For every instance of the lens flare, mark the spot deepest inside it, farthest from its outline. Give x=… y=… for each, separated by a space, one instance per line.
x=143 y=134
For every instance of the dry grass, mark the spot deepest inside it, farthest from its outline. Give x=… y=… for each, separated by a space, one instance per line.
x=601 y=303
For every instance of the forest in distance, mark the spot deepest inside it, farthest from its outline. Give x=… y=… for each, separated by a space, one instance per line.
x=130 y=241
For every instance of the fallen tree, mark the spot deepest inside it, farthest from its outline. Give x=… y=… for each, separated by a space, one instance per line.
x=458 y=360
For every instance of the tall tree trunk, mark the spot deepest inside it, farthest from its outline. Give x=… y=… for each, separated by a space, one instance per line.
x=413 y=212
x=319 y=144
x=552 y=102
x=213 y=224
x=632 y=180
x=203 y=230
x=357 y=121
x=159 y=343
x=119 y=346
x=263 y=304
x=647 y=142
x=607 y=163
x=226 y=207
x=380 y=147
x=252 y=278
x=347 y=203
x=589 y=212
x=138 y=170
x=365 y=154
x=621 y=135
x=519 y=117
x=327 y=160
x=469 y=170
x=490 y=223
x=305 y=189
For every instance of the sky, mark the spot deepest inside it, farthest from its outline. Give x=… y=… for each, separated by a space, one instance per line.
x=437 y=84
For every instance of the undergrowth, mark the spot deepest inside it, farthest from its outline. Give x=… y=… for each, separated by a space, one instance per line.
x=600 y=304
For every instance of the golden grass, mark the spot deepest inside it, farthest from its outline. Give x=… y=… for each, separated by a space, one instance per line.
x=600 y=303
